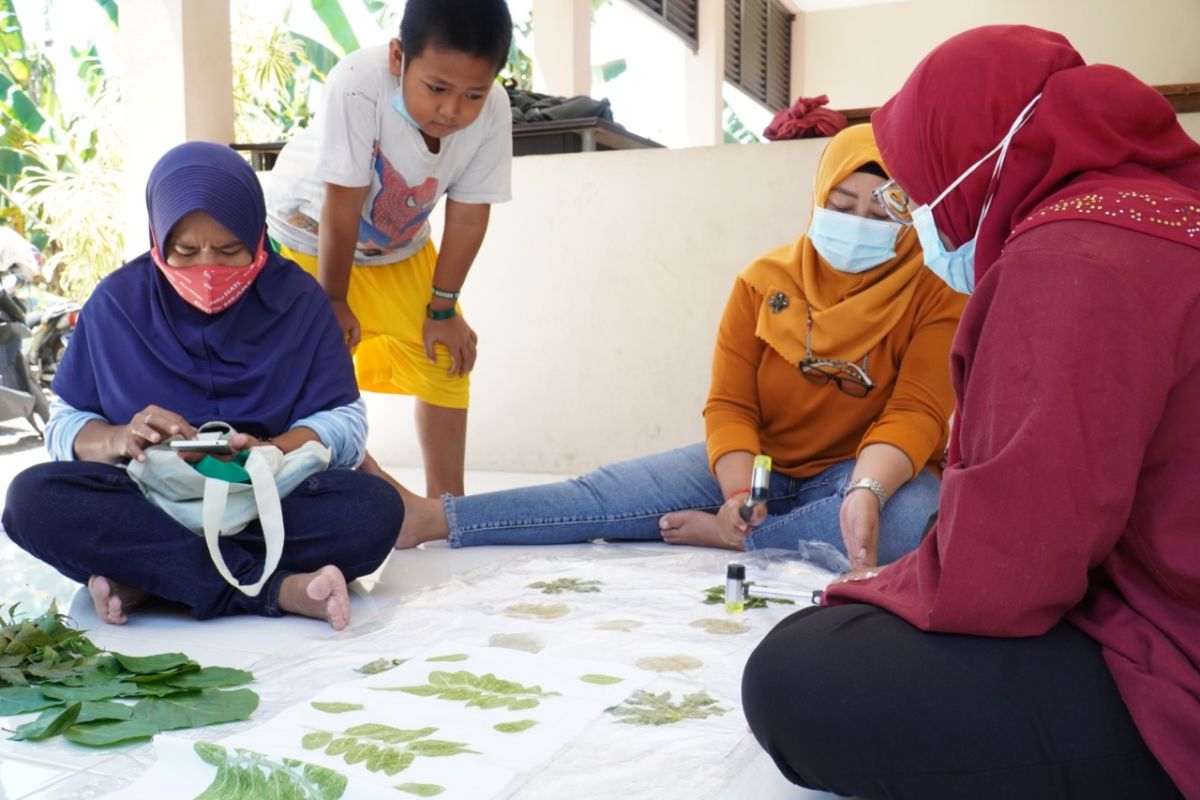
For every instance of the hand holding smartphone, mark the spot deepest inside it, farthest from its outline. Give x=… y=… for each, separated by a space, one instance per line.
x=214 y=446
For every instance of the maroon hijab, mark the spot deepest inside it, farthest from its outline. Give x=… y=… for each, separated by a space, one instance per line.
x=1101 y=145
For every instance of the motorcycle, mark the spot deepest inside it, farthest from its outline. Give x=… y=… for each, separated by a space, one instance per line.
x=51 y=319
x=21 y=394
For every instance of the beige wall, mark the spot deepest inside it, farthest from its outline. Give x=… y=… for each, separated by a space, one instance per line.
x=860 y=56
x=596 y=298
x=597 y=295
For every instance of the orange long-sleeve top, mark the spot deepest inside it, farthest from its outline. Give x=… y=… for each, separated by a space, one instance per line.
x=760 y=403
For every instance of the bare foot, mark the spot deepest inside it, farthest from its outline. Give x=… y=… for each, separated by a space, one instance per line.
x=320 y=595
x=694 y=527
x=424 y=519
x=114 y=600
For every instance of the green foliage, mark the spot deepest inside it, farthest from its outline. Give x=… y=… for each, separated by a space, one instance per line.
x=736 y=131
x=451 y=657
x=478 y=691
x=647 y=708
x=380 y=665
x=668 y=663
x=714 y=595
x=561 y=585
x=538 y=610
x=60 y=169
x=600 y=680
x=336 y=708
x=247 y=775
x=422 y=789
x=382 y=748
x=53 y=668
x=515 y=727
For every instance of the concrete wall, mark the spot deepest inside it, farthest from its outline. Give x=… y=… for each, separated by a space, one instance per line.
x=860 y=56
x=597 y=295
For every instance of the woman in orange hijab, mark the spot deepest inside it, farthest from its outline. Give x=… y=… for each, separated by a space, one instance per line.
x=832 y=358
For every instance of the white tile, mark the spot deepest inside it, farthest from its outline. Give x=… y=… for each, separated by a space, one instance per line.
x=20 y=778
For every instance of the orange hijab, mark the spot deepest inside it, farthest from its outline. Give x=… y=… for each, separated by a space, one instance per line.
x=851 y=313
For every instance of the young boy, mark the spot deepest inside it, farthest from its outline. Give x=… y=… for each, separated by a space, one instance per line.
x=403 y=124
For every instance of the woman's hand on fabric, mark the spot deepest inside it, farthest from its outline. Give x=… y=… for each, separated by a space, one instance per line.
x=457 y=337
x=859 y=517
x=348 y=322
x=150 y=426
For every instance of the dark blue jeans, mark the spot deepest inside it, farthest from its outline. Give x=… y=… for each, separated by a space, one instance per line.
x=88 y=519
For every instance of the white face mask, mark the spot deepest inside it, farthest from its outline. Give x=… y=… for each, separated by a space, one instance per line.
x=957 y=267
x=850 y=243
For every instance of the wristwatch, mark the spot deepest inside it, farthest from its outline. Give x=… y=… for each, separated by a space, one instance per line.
x=871 y=485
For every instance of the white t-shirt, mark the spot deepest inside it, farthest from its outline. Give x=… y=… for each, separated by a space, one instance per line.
x=360 y=140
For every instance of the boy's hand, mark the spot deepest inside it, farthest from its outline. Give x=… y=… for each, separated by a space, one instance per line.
x=458 y=338
x=347 y=322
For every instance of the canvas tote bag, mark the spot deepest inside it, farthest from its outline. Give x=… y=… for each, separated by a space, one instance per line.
x=212 y=507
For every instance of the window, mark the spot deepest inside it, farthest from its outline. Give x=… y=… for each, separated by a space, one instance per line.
x=758 y=50
x=678 y=15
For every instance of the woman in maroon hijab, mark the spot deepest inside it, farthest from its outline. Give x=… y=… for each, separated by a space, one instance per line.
x=1044 y=639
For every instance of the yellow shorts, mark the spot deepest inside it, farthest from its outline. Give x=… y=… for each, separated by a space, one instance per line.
x=389 y=302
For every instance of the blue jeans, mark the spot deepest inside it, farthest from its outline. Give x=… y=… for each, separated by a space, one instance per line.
x=86 y=519
x=626 y=500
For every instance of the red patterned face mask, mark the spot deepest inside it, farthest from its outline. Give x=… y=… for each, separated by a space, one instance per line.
x=212 y=288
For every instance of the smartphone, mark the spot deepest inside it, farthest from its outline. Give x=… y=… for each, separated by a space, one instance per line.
x=219 y=446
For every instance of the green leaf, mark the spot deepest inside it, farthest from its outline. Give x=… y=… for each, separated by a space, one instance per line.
x=99 y=691
x=110 y=8
x=648 y=708
x=247 y=775
x=316 y=740
x=13 y=676
x=437 y=747
x=49 y=723
x=330 y=12
x=451 y=657
x=380 y=665
x=600 y=680
x=521 y=705
x=16 y=700
x=340 y=745
x=388 y=734
x=336 y=708
x=359 y=751
x=104 y=709
x=211 y=678
x=422 y=789
x=144 y=665
x=196 y=709
x=105 y=733
x=515 y=727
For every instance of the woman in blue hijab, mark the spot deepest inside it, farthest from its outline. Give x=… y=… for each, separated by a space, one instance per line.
x=210 y=324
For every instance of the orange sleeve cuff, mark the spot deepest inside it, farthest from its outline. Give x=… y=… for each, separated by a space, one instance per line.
x=730 y=437
x=916 y=439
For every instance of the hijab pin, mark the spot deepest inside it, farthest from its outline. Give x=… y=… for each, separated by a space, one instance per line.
x=778 y=302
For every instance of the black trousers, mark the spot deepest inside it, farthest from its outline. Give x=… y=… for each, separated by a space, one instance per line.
x=88 y=519
x=854 y=700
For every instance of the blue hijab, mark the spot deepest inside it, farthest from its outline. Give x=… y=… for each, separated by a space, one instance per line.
x=275 y=356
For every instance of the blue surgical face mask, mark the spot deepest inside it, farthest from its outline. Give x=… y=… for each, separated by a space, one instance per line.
x=398 y=99
x=957 y=267
x=850 y=243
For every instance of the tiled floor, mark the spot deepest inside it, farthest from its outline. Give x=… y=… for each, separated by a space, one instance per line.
x=59 y=770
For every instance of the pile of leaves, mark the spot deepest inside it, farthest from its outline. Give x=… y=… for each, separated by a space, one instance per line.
x=48 y=665
x=716 y=594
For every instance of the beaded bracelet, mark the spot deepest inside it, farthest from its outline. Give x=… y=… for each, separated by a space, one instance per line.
x=442 y=293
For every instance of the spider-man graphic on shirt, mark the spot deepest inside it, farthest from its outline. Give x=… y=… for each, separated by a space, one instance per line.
x=398 y=210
